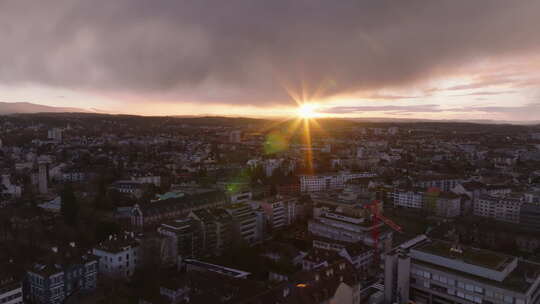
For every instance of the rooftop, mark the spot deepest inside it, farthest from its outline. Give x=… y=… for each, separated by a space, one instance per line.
x=473 y=256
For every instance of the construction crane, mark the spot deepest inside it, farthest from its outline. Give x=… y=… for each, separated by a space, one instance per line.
x=376 y=219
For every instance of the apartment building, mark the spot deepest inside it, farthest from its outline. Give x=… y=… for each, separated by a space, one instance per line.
x=118 y=256
x=408 y=198
x=281 y=211
x=61 y=277
x=506 y=209
x=245 y=222
x=442 y=182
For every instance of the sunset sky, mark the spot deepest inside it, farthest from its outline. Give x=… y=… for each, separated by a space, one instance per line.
x=349 y=58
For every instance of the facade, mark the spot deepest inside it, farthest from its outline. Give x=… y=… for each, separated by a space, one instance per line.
x=408 y=198
x=43 y=178
x=323 y=182
x=442 y=182
x=118 y=256
x=335 y=225
x=52 y=282
x=245 y=222
x=185 y=236
x=435 y=272
x=216 y=229
x=55 y=134
x=11 y=291
x=280 y=211
x=148 y=179
x=506 y=209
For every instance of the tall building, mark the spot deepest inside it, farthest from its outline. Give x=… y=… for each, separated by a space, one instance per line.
x=43 y=180
x=245 y=222
x=55 y=134
x=216 y=229
x=186 y=238
x=281 y=211
x=436 y=272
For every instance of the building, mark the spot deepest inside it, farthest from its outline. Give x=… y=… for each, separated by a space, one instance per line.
x=148 y=179
x=443 y=182
x=443 y=204
x=332 y=181
x=408 y=198
x=337 y=282
x=61 y=277
x=200 y=266
x=43 y=178
x=117 y=256
x=11 y=291
x=216 y=229
x=281 y=211
x=336 y=223
x=55 y=134
x=506 y=209
x=186 y=239
x=159 y=211
x=244 y=222
x=434 y=272
x=529 y=217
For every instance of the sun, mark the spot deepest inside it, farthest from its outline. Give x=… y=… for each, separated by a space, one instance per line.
x=307 y=111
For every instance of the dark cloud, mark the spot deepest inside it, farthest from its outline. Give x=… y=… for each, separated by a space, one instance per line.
x=246 y=51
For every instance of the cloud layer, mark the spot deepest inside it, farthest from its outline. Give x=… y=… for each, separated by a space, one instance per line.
x=247 y=51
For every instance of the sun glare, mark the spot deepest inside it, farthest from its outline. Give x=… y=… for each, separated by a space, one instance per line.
x=307 y=111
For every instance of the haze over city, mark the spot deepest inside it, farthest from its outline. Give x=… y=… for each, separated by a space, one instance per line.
x=405 y=59
x=269 y=152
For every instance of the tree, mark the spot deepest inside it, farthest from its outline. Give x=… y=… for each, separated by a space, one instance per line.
x=70 y=207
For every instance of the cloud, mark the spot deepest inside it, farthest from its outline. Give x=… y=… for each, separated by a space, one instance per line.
x=246 y=51
x=531 y=109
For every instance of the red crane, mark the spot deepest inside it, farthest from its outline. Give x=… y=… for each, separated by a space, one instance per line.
x=376 y=218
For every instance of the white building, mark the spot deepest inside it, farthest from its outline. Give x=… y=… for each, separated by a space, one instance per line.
x=505 y=209
x=324 y=182
x=118 y=256
x=148 y=179
x=408 y=198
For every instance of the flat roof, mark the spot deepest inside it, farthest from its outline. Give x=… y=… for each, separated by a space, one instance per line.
x=480 y=257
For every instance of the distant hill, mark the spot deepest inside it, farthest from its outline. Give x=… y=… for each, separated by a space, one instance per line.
x=27 y=107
